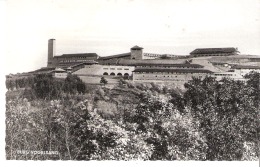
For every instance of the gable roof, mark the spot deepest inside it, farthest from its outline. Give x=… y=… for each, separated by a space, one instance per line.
x=214 y=50
x=77 y=55
x=123 y=55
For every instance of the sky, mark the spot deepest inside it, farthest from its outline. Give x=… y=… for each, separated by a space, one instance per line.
x=108 y=27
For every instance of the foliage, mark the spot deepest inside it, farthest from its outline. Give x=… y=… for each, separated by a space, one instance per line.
x=21 y=82
x=173 y=136
x=211 y=120
x=227 y=115
x=46 y=87
x=73 y=84
x=103 y=81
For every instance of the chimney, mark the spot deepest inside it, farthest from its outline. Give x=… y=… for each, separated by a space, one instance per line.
x=51 y=52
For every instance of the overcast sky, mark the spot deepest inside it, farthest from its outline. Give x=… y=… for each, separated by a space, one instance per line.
x=109 y=27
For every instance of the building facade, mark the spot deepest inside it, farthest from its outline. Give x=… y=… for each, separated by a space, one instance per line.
x=202 y=52
x=144 y=67
x=243 y=70
x=168 y=75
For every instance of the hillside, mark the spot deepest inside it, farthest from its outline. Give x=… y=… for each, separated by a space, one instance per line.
x=70 y=120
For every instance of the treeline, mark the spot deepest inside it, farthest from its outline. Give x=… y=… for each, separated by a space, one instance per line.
x=228 y=115
x=44 y=86
x=22 y=82
x=210 y=120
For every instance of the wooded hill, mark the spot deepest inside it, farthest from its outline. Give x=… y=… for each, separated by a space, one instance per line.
x=209 y=120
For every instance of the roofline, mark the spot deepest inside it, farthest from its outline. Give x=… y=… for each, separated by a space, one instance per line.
x=164 y=65
x=174 y=70
x=115 y=56
x=136 y=47
x=78 y=54
x=235 y=49
x=244 y=67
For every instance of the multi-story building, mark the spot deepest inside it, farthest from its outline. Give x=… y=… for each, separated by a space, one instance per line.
x=67 y=60
x=243 y=70
x=142 y=66
x=202 y=52
x=168 y=74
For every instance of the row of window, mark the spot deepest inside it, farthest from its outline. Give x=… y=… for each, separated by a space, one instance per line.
x=152 y=55
x=115 y=68
x=164 y=76
x=74 y=57
x=221 y=54
x=223 y=74
x=182 y=80
x=167 y=67
x=162 y=73
x=73 y=60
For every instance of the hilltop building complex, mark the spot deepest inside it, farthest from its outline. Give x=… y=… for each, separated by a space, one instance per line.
x=140 y=66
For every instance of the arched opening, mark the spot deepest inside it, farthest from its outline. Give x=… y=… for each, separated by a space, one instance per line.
x=126 y=76
x=105 y=73
x=112 y=74
x=119 y=74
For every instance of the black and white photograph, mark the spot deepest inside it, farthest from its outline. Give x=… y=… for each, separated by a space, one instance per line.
x=131 y=81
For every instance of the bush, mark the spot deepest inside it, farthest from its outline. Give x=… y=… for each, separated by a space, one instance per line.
x=103 y=81
x=73 y=84
x=46 y=87
x=209 y=121
x=226 y=113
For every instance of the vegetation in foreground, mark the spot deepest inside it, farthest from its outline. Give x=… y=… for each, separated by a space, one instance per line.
x=209 y=120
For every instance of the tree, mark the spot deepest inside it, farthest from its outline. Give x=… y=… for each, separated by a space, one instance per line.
x=46 y=87
x=254 y=84
x=226 y=114
x=74 y=84
x=173 y=135
x=103 y=81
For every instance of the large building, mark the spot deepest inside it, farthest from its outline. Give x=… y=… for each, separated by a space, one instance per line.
x=144 y=67
x=243 y=70
x=214 y=52
x=67 y=60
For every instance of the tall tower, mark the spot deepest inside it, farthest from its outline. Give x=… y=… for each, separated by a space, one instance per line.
x=137 y=52
x=51 y=52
